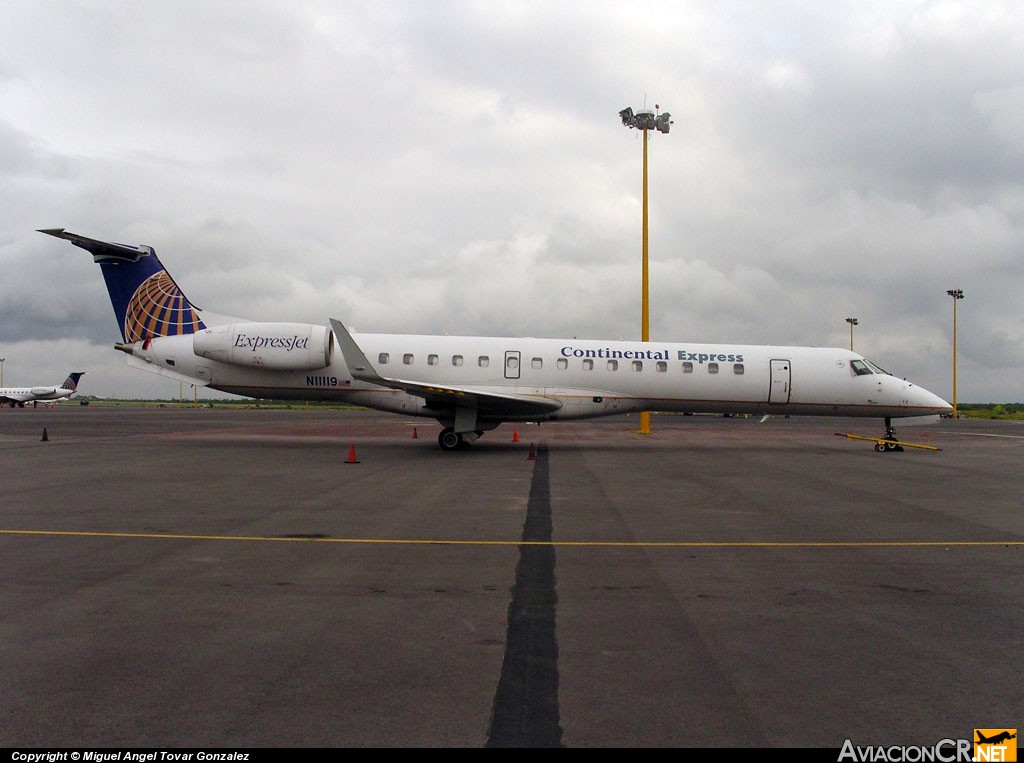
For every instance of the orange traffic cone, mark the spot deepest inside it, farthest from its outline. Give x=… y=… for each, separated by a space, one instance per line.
x=45 y=437
x=415 y=434
x=533 y=453
x=515 y=435
x=351 y=455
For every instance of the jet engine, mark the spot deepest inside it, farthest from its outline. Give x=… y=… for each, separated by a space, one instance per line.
x=273 y=346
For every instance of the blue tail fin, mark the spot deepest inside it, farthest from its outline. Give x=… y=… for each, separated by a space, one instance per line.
x=147 y=302
x=71 y=382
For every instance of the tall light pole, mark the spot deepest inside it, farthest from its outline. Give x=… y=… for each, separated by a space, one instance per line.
x=2 y=371
x=957 y=295
x=853 y=322
x=645 y=120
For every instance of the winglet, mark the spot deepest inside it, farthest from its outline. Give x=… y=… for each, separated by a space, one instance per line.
x=355 y=359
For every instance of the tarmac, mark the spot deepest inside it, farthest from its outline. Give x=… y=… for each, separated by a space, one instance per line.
x=179 y=577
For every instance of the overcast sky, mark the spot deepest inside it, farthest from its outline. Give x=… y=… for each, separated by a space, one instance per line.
x=460 y=167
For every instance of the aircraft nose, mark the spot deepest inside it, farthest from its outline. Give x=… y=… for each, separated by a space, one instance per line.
x=919 y=397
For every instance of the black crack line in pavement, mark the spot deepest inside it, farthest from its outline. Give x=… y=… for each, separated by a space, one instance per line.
x=525 y=712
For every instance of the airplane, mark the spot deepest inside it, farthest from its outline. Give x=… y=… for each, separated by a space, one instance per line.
x=18 y=396
x=472 y=384
x=1002 y=736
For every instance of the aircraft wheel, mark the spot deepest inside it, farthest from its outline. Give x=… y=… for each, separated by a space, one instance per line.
x=449 y=439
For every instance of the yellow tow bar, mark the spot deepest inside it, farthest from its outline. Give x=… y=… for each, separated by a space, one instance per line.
x=882 y=444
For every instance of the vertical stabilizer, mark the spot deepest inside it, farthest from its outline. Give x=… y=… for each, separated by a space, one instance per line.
x=71 y=382
x=147 y=302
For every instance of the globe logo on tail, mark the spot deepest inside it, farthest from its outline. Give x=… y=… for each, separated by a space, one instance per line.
x=158 y=308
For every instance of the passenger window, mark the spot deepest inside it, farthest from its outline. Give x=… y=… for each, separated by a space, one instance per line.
x=613 y=365
x=687 y=367
x=638 y=365
x=662 y=366
x=537 y=363
x=383 y=357
x=484 y=361
x=588 y=364
x=562 y=364
x=712 y=368
x=431 y=360
x=738 y=369
x=456 y=360
x=407 y=358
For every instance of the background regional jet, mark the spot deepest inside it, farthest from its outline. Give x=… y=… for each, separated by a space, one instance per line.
x=18 y=396
x=472 y=384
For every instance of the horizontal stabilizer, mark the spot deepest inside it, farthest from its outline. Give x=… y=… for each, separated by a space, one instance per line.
x=100 y=250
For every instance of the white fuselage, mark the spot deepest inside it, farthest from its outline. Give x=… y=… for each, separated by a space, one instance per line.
x=588 y=377
x=32 y=394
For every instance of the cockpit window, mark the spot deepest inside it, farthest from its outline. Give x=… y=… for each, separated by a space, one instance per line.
x=860 y=367
x=877 y=369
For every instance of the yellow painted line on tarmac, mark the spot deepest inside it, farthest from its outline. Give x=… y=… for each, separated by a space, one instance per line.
x=564 y=543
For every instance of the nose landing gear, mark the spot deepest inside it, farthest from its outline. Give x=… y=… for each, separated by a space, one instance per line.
x=889 y=442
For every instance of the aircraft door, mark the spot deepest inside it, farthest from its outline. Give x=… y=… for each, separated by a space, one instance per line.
x=778 y=394
x=512 y=364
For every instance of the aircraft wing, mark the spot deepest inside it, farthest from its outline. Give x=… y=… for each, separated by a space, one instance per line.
x=483 y=400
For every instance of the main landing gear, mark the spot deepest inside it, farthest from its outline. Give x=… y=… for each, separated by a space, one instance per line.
x=449 y=439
